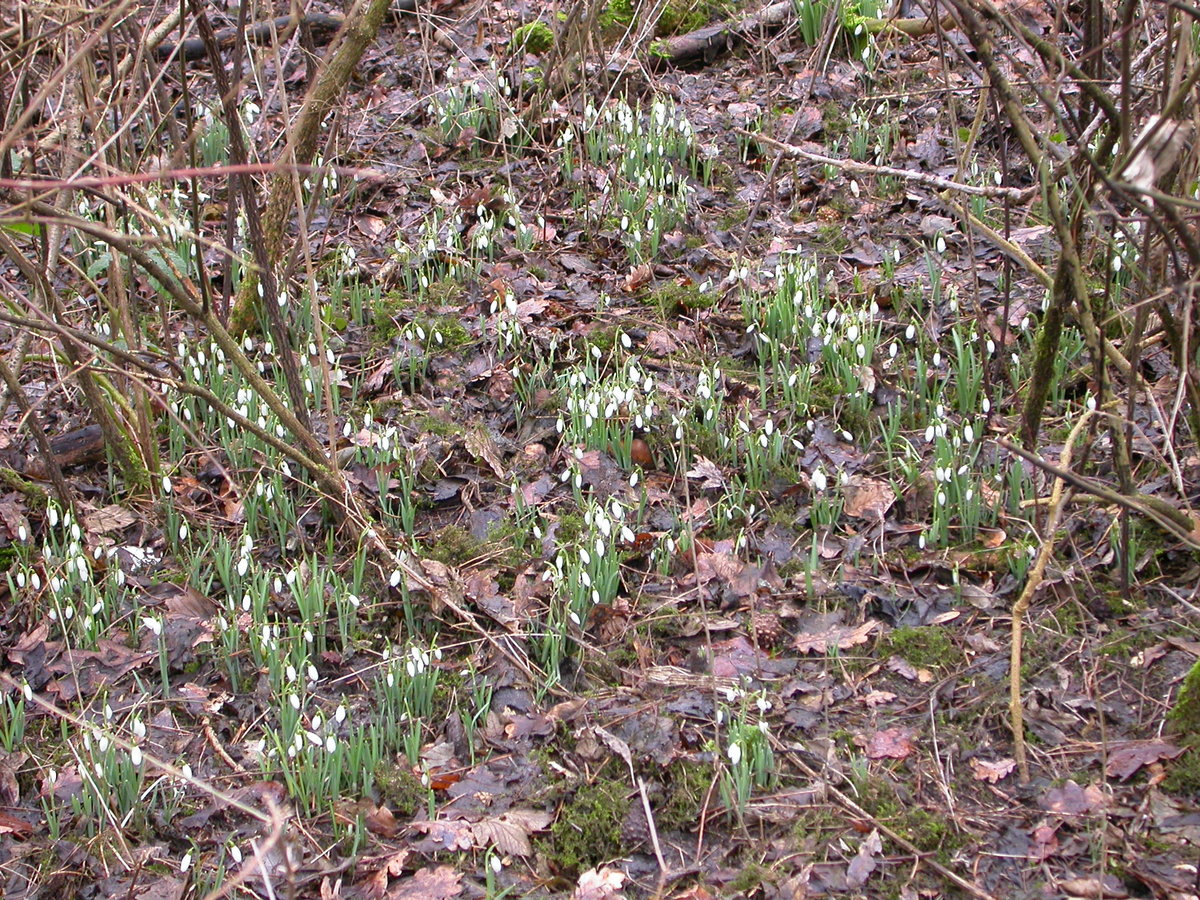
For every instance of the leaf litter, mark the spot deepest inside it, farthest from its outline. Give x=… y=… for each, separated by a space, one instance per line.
x=881 y=668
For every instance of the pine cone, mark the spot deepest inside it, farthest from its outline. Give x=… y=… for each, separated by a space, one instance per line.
x=765 y=628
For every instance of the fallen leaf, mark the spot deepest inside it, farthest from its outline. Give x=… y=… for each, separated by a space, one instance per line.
x=891 y=743
x=446 y=834
x=867 y=498
x=708 y=472
x=842 y=637
x=992 y=771
x=863 y=864
x=428 y=884
x=1110 y=888
x=638 y=278
x=509 y=833
x=1073 y=800
x=1125 y=759
x=380 y=821
x=599 y=884
x=10 y=824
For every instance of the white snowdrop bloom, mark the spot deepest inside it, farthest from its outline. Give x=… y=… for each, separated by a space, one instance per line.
x=135 y=756
x=186 y=862
x=395 y=578
x=735 y=753
x=910 y=332
x=968 y=433
x=820 y=482
x=294 y=700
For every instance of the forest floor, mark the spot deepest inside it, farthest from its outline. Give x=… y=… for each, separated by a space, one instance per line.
x=696 y=451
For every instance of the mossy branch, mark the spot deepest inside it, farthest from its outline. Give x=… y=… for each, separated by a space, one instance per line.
x=359 y=31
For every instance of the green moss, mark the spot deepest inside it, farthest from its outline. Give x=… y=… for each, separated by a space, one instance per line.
x=1185 y=714
x=682 y=16
x=832 y=238
x=617 y=14
x=400 y=789
x=930 y=833
x=927 y=647
x=452 y=546
x=686 y=784
x=753 y=875
x=532 y=37
x=732 y=218
x=675 y=297
x=587 y=830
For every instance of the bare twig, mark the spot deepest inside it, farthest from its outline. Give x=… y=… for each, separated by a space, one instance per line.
x=1037 y=574
x=1018 y=195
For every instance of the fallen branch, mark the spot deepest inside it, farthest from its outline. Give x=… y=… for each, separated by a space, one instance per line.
x=322 y=25
x=1017 y=195
x=1177 y=523
x=1037 y=574
x=707 y=42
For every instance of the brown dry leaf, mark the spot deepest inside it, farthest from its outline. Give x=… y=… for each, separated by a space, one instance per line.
x=1073 y=800
x=599 y=884
x=1045 y=842
x=992 y=538
x=380 y=821
x=447 y=834
x=428 y=884
x=661 y=342
x=84 y=672
x=863 y=864
x=638 y=278
x=12 y=514
x=708 y=472
x=891 y=743
x=992 y=771
x=1126 y=759
x=10 y=824
x=509 y=833
x=867 y=498
x=843 y=637
x=481 y=445
x=877 y=698
x=1110 y=888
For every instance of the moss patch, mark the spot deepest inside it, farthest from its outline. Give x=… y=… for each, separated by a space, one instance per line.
x=929 y=648
x=587 y=830
x=400 y=789
x=533 y=37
